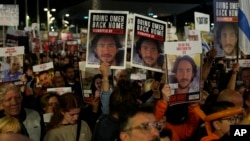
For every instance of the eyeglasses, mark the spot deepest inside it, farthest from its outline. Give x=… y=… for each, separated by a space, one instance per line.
x=234 y=119
x=147 y=126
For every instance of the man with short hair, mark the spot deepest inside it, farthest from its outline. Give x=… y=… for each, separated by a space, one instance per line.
x=185 y=70
x=105 y=49
x=139 y=124
x=45 y=79
x=149 y=51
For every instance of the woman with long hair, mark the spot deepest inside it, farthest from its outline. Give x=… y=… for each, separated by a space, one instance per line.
x=64 y=124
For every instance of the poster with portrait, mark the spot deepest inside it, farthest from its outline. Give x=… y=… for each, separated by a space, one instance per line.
x=36 y=38
x=148 y=41
x=107 y=38
x=244 y=74
x=11 y=63
x=71 y=47
x=66 y=36
x=90 y=81
x=53 y=38
x=183 y=70
x=83 y=37
x=226 y=30
x=44 y=71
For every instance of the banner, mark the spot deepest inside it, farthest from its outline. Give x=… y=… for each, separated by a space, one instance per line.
x=149 y=37
x=202 y=21
x=226 y=28
x=107 y=38
x=183 y=70
x=244 y=26
x=9 y=15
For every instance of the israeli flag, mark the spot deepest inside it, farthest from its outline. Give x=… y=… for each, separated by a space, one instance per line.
x=244 y=26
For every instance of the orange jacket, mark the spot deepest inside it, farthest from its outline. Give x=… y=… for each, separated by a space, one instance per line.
x=210 y=137
x=179 y=132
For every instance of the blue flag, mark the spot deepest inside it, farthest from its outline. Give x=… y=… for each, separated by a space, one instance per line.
x=244 y=26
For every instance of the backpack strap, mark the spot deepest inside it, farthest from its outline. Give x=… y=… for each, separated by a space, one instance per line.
x=78 y=130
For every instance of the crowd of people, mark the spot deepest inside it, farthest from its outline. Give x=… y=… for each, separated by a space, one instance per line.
x=121 y=108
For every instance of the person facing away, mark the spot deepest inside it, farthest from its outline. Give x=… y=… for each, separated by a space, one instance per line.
x=107 y=126
x=149 y=51
x=9 y=124
x=105 y=49
x=185 y=70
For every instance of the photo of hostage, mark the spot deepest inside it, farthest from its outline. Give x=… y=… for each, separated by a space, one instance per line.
x=106 y=48
x=227 y=38
x=14 y=72
x=148 y=53
x=184 y=70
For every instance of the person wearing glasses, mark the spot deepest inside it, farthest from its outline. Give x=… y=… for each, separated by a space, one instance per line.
x=140 y=124
x=221 y=116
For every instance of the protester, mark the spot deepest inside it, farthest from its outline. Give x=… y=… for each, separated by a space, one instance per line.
x=65 y=124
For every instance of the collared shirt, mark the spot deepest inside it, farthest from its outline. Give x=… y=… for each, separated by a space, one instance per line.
x=11 y=77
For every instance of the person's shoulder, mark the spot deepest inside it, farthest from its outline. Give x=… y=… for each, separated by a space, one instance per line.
x=31 y=112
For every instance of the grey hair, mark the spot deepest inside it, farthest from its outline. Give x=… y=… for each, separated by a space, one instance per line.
x=7 y=87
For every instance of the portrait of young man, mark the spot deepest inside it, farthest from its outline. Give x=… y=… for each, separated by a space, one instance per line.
x=106 y=48
x=185 y=70
x=227 y=38
x=149 y=52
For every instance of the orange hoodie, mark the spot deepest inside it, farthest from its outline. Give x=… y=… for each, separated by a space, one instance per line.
x=210 y=137
x=182 y=131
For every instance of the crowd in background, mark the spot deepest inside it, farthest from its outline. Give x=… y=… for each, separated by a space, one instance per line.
x=122 y=109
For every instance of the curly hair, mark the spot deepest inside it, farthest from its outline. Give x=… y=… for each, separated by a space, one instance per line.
x=185 y=58
x=141 y=40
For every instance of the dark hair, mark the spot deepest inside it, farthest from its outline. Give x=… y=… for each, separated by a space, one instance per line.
x=43 y=72
x=66 y=67
x=141 y=40
x=92 y=86
x=118 y=45
x=244 y=69
x=246 y=96
x=123 y=93
x=130 y=110
x=99 y=36
x=44 y=100
x=185 y=58
x=221 y=26
x=67 y=102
